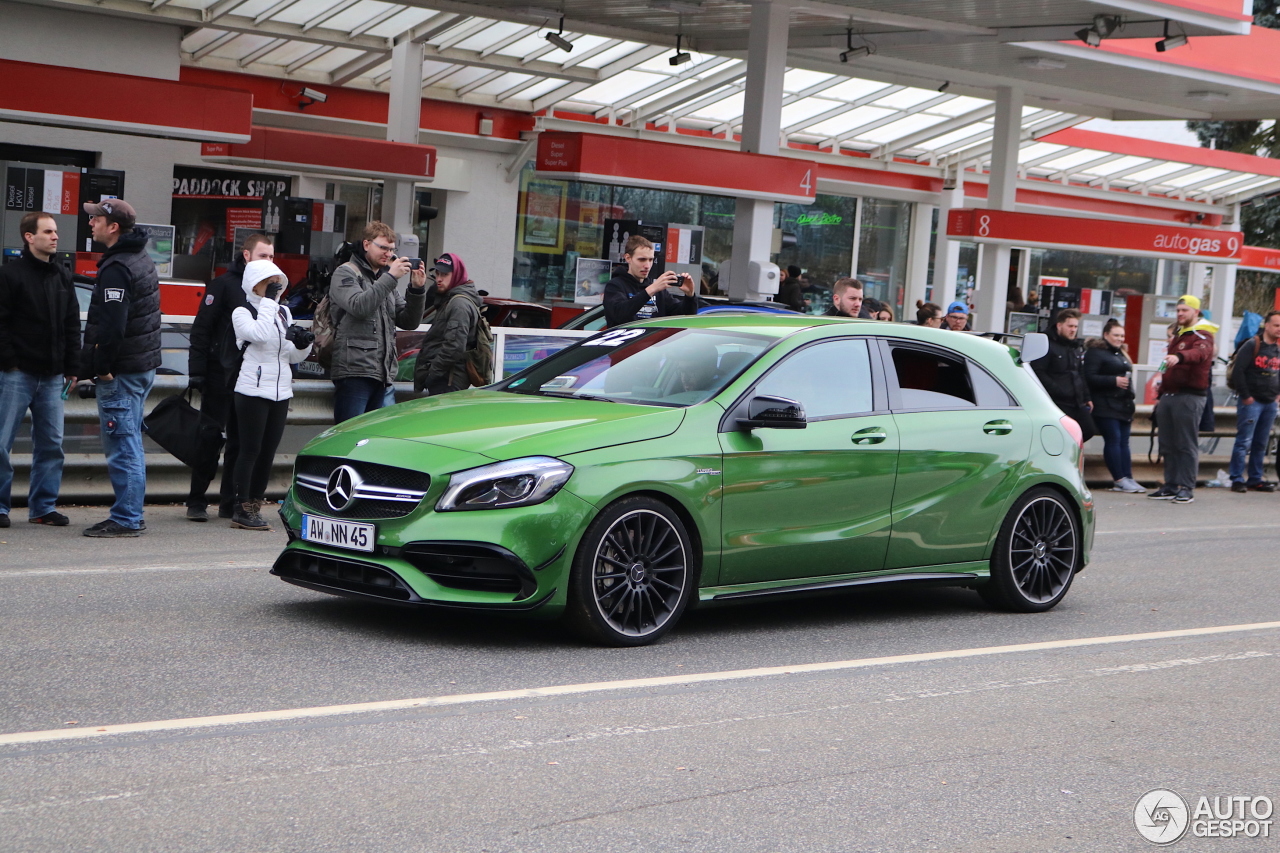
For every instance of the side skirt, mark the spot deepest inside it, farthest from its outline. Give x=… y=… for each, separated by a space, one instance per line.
x=946 y=574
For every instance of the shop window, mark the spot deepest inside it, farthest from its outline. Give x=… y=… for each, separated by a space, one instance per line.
x=931 y=380
x=824 y=233
x=882 y=250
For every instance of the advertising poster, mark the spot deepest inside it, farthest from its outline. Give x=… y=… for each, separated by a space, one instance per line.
x=160 y=247
x=589 y=230
x=542 y=209
x=242 y=217
x=589 y=280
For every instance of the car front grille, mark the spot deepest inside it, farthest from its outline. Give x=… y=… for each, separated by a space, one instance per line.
x=383 y=491
x=336 y=573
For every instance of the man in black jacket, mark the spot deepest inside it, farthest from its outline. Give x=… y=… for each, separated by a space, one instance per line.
x=209 y=334
x=39 y=348
x=1256 y=378
x=122 y=350
x=631 y=296
x=1061 y=371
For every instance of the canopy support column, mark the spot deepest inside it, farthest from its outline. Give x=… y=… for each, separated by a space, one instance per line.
x=918 y=258
x=993 y=274
x=404 y=116
x=1222 y=305
x=946 y=266
x=761 y=130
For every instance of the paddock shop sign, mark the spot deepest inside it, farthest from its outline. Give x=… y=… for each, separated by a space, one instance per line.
x=1095 y=235
x=217 y=184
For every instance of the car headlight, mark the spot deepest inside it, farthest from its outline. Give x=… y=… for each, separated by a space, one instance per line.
x=519 y=482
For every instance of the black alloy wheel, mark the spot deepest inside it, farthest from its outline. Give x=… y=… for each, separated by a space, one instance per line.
x=1036 y=556
x=633 y=574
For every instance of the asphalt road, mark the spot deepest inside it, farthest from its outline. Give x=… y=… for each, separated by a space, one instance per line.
x=981 y=732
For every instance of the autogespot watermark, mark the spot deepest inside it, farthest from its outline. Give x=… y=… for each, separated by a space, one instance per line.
x=1163 y=817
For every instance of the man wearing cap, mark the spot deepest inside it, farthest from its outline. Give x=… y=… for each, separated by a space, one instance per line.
x=1183 y=393
x=367 y=309
x=39 y=349
x=442 y=360
x=122 y=351
x=847 y=301
x=957 y=317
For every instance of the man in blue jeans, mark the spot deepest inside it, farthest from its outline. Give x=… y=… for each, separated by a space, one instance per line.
x=122 y=350
x=1256 y=378
x=39 y=348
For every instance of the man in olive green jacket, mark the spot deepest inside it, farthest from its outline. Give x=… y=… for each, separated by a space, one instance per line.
x=366 y=309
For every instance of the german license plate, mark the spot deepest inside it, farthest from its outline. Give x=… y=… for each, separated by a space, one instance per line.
x=339 y=534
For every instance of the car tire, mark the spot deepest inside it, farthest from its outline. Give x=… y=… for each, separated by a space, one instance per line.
x=1036 y=556
x=633 y=574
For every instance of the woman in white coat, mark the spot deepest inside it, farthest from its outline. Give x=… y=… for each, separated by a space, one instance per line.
x=263 y=387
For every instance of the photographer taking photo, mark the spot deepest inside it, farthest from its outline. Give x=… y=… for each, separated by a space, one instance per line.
x=270 y=343
x=631 y=296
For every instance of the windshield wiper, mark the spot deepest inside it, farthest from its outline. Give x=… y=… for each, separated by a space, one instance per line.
x=569 y=395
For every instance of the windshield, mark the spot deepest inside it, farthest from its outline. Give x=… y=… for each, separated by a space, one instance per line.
x=660 y=367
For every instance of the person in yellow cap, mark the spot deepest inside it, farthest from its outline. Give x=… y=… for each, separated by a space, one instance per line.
x=1184 y=392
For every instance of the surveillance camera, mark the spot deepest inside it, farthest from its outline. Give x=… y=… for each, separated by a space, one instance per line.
x=315 y=95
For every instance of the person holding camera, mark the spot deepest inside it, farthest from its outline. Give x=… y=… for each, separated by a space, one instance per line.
x=366 y=310
x=631 y=296
x=441 y=366
x=269 y=343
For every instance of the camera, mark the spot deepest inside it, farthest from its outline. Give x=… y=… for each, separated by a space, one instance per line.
x=299 y=337
x=415 y=263
x=87 y=391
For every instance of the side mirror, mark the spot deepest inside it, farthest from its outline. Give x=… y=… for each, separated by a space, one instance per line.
x=1035 y=345
x=773 y=413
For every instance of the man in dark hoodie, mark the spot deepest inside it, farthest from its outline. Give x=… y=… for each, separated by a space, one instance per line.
x=366 y=311
x=1256 y=378
x=39 y=348
x=442 y=361
x=209 y=334
x=1061 y=371
x=631 y=295
x=122 y=350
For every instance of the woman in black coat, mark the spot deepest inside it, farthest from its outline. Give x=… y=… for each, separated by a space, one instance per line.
x=1109 y=373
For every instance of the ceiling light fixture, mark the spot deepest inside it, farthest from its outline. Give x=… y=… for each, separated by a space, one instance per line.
x=1170 y=42
x=1041 y=63
x=558 y=39
x=1209 y=96
x=681 y=57
x=945 y=86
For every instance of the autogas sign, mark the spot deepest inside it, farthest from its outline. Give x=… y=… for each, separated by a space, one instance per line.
x=1095 y=235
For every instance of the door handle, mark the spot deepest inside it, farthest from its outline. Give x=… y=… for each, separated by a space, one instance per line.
x=870 y=435
x=997 y=427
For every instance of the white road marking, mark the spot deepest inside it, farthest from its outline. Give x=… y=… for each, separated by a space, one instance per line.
x=1197 y=529
x=121 y=570
x=600 y=686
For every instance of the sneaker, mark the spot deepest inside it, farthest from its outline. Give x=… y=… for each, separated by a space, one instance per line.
x=1261 y=487
x=1164 y=493
x=246 y=516
x=110 y=530
x=197 y=513
x=1184 y=496
x=4 y=520
x=1238 y=487
x=1118 y=486
x=1133 y=486
x=55 y=519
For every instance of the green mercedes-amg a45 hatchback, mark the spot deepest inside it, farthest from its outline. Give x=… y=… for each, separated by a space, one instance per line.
x=695 y=461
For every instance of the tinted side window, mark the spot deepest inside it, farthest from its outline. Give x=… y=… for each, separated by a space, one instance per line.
x=991 y=394
x=829 y=379
x=929 y=380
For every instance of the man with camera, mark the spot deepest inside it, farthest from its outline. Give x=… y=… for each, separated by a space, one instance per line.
x=631 y=296
x=212 y=339
x=366 y=309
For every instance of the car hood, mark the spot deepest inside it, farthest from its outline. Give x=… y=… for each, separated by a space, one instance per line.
x=502 y=425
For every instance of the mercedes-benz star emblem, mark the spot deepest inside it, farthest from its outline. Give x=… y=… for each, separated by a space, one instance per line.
x=340 y=492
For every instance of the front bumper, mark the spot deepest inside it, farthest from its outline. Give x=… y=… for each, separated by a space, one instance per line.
x=513 y=560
